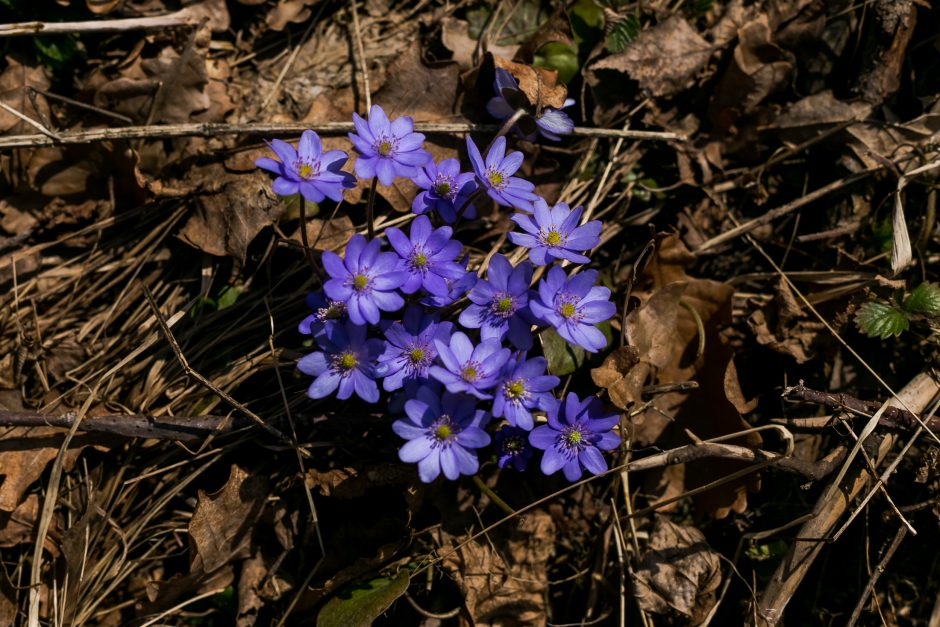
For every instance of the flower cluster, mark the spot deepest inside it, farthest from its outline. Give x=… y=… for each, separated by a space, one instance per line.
x=380 y=315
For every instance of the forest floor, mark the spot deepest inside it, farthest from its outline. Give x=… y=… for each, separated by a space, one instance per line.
x=765 y=174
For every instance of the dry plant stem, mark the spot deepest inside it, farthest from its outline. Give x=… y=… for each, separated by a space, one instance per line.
x=505 y=128
x=286 y=128
x=827 y=513
x=370 y=209
x=159 y=22
x=183 y=429
x=363 y=68
x=174 y=345
x=873 y=580
x=894 y=417
x=498 y=502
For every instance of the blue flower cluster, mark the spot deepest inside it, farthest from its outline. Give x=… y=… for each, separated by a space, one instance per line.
x=452 y=384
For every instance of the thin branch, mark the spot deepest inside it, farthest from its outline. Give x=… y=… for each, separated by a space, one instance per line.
x=289 y=128
x=159 y=22
x=183 y=429
x=893 y=417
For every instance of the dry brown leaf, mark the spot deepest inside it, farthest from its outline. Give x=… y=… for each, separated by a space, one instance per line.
x=250 y=579
x=14 y=80
x=327 y=234
x=616 y=374
x=16 y=527
x=886 y=48
x=759 y=67
x=679 y=572
x=539 y=85
x=504 y=581
x=288 y=12
x=222 y=523
x=455 y=35
x=663 y=59
x=784 y=327
x=224 y=223
x=213 y=11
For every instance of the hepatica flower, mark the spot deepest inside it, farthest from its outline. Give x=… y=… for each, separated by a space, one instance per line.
x=513 y=448
x=427 y=256
x=456 y=289
x=309 y=171
x=387 y=148
x=495 y=174
x=446 y=190
x=365 y=280
x=549 y=122
x=573 y=306
x=500 y=304
x=524 y=387
x=468 y=368
x=326 y=314
x=554 y=233
x=576 y=433
x=442 y=434
x=409 y=349
x=346 y=363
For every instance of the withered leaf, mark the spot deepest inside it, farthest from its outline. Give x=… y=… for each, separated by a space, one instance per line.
x=327 y=234
x=679 y=573
x=14 y=81
x=662 y=59
x=540 y=85
x=617 y=375
x=287 y=12
x=221 y=526
x=455 y=35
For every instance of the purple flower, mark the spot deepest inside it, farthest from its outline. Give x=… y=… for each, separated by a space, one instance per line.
x=495 y=175
x=573 y=306
x=409 y=348
x=308 y=170
x=326 y=314
x=347 y=362
x=446 y=190
x=573 y=438
x=524 y=387
x=428 y=256
x=513 y=447
x=456 y=289
x=441 y=434
x=499 y=305
x=387 y=149
x=554 y=233
x=549 y=122
x=469 y=369
x=365 y=280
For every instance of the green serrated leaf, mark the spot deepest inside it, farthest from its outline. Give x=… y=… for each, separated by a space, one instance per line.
x=622 y=32
x=559 y=56
x=359 y=604
x=925 y=299
x=881 y=320
x=563 y=358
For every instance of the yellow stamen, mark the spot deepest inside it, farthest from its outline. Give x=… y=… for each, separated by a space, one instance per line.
x=504 y=304
x=442 y=432
x=567 y=310
x=553 y=238
x=347 y=361
x=385 y=148
x=416 y=355
x=360 y=281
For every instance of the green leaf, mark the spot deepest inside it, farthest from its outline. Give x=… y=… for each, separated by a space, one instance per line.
x=881 y=320
x=587 y=23
x=563 y=358
x=925 y=299
x=559 y=56
x=622 y=32
x=227 y=296
x=55 y=52
x=359 y=604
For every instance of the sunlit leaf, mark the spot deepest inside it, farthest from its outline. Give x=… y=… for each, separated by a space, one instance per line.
x=881 y=320
x=359 y=604
x=925 y=299
x=563 y=358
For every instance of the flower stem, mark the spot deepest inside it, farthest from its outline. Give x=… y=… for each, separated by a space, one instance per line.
x=303 y=232
x=500 y=503
x=506 y=127
x=476 y=194
x=370 y=206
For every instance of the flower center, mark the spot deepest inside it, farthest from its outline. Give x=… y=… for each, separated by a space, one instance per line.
x=419 y=260
x=346 y=362
x=504 y=304
x=572 y=439
x=416 y=355
x=385 y=147
x=359 y=282
x=514 y=389
x=495 y=178
x=553 y=238
x=444 y=187
x=567 y=310
x=470 y=371
x=334 y=311
x=513 y=445
x=442 y=431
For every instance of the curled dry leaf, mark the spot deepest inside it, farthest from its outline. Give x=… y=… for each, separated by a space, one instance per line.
x=15 y=79
x=663 y=59
x=288 y=12
x=618 y=376
x=504 y=580
x=679 y=572
x=784 y=327
x=221 y=526
x=539 y=85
